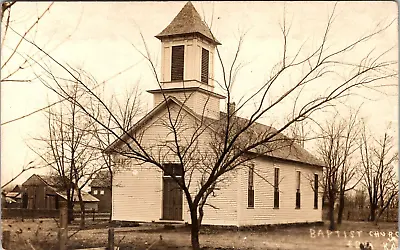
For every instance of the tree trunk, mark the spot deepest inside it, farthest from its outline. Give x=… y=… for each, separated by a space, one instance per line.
x=201 y=215
x=82 y=206
x=331 y=214
x=82 y=222
x=194 y=229
x=372 y=212
x=341 y=208
x=70 y=212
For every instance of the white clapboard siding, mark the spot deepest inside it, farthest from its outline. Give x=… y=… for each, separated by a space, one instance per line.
x=137 y=190
x=200 y=103
x=264 y=211
x=137 y=194
x=224 y=202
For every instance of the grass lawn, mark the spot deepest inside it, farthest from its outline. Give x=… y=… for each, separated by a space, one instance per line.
x=42 y=234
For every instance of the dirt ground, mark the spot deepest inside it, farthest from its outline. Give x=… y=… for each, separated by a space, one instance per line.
x=42 y=234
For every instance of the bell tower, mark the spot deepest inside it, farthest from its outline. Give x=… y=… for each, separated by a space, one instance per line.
x=187 y=63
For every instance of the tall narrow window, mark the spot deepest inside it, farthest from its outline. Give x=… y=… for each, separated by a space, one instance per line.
x=177 y=62
x=250 y=196
x=204 y=65
x=276 y=188
x=298 y=176
x=315 y=191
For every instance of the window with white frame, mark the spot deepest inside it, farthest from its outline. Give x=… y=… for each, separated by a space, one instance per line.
x=101 y=192
x=94 y=192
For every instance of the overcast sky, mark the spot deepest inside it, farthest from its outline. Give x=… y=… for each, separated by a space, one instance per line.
x=98 y=37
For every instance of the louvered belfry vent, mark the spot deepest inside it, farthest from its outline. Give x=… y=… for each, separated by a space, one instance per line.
x=204 y=65
x=177 y=64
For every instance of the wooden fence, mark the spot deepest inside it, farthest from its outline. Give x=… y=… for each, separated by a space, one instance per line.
x=24 y=213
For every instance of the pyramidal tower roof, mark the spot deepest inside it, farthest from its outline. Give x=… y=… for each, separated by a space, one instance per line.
x=188 y=21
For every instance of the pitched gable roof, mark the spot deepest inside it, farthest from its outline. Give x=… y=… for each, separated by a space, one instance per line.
x=54 y=182
x=16 y=189
x=188 y=21
x=284 y=148
x=14 y=195
x=86 y=197
x=161 y=106
x=280 y=147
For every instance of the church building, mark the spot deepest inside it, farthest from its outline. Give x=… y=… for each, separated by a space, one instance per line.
x=288 y=190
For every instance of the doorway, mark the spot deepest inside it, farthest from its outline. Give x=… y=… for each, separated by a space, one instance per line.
x=172 y=194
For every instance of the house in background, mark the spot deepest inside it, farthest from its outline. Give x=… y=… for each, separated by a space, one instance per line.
x=46 y=192
x=14 y=199
x=40 y=192
x=286 y=188
x=91 y=202
x=3 y=199
x=100 y=187
x=16 y=189
x=8 y=202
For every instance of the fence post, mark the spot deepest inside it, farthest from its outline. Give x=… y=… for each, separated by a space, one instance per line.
x=63 y=230
x=6 y=240
x=93 y=213
x=110 y=239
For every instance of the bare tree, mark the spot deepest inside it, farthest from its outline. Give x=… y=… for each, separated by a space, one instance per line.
x=379 y=177
x=126 y=111
x=70 y=149
x=301 y=132
x=25 y=168
x=17 y=60
x=355 y=203
x=337 y=145
x=208 y=151
x=14 y=59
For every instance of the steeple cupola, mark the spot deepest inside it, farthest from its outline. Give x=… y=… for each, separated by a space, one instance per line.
x=188 y=49
x=187 y=62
